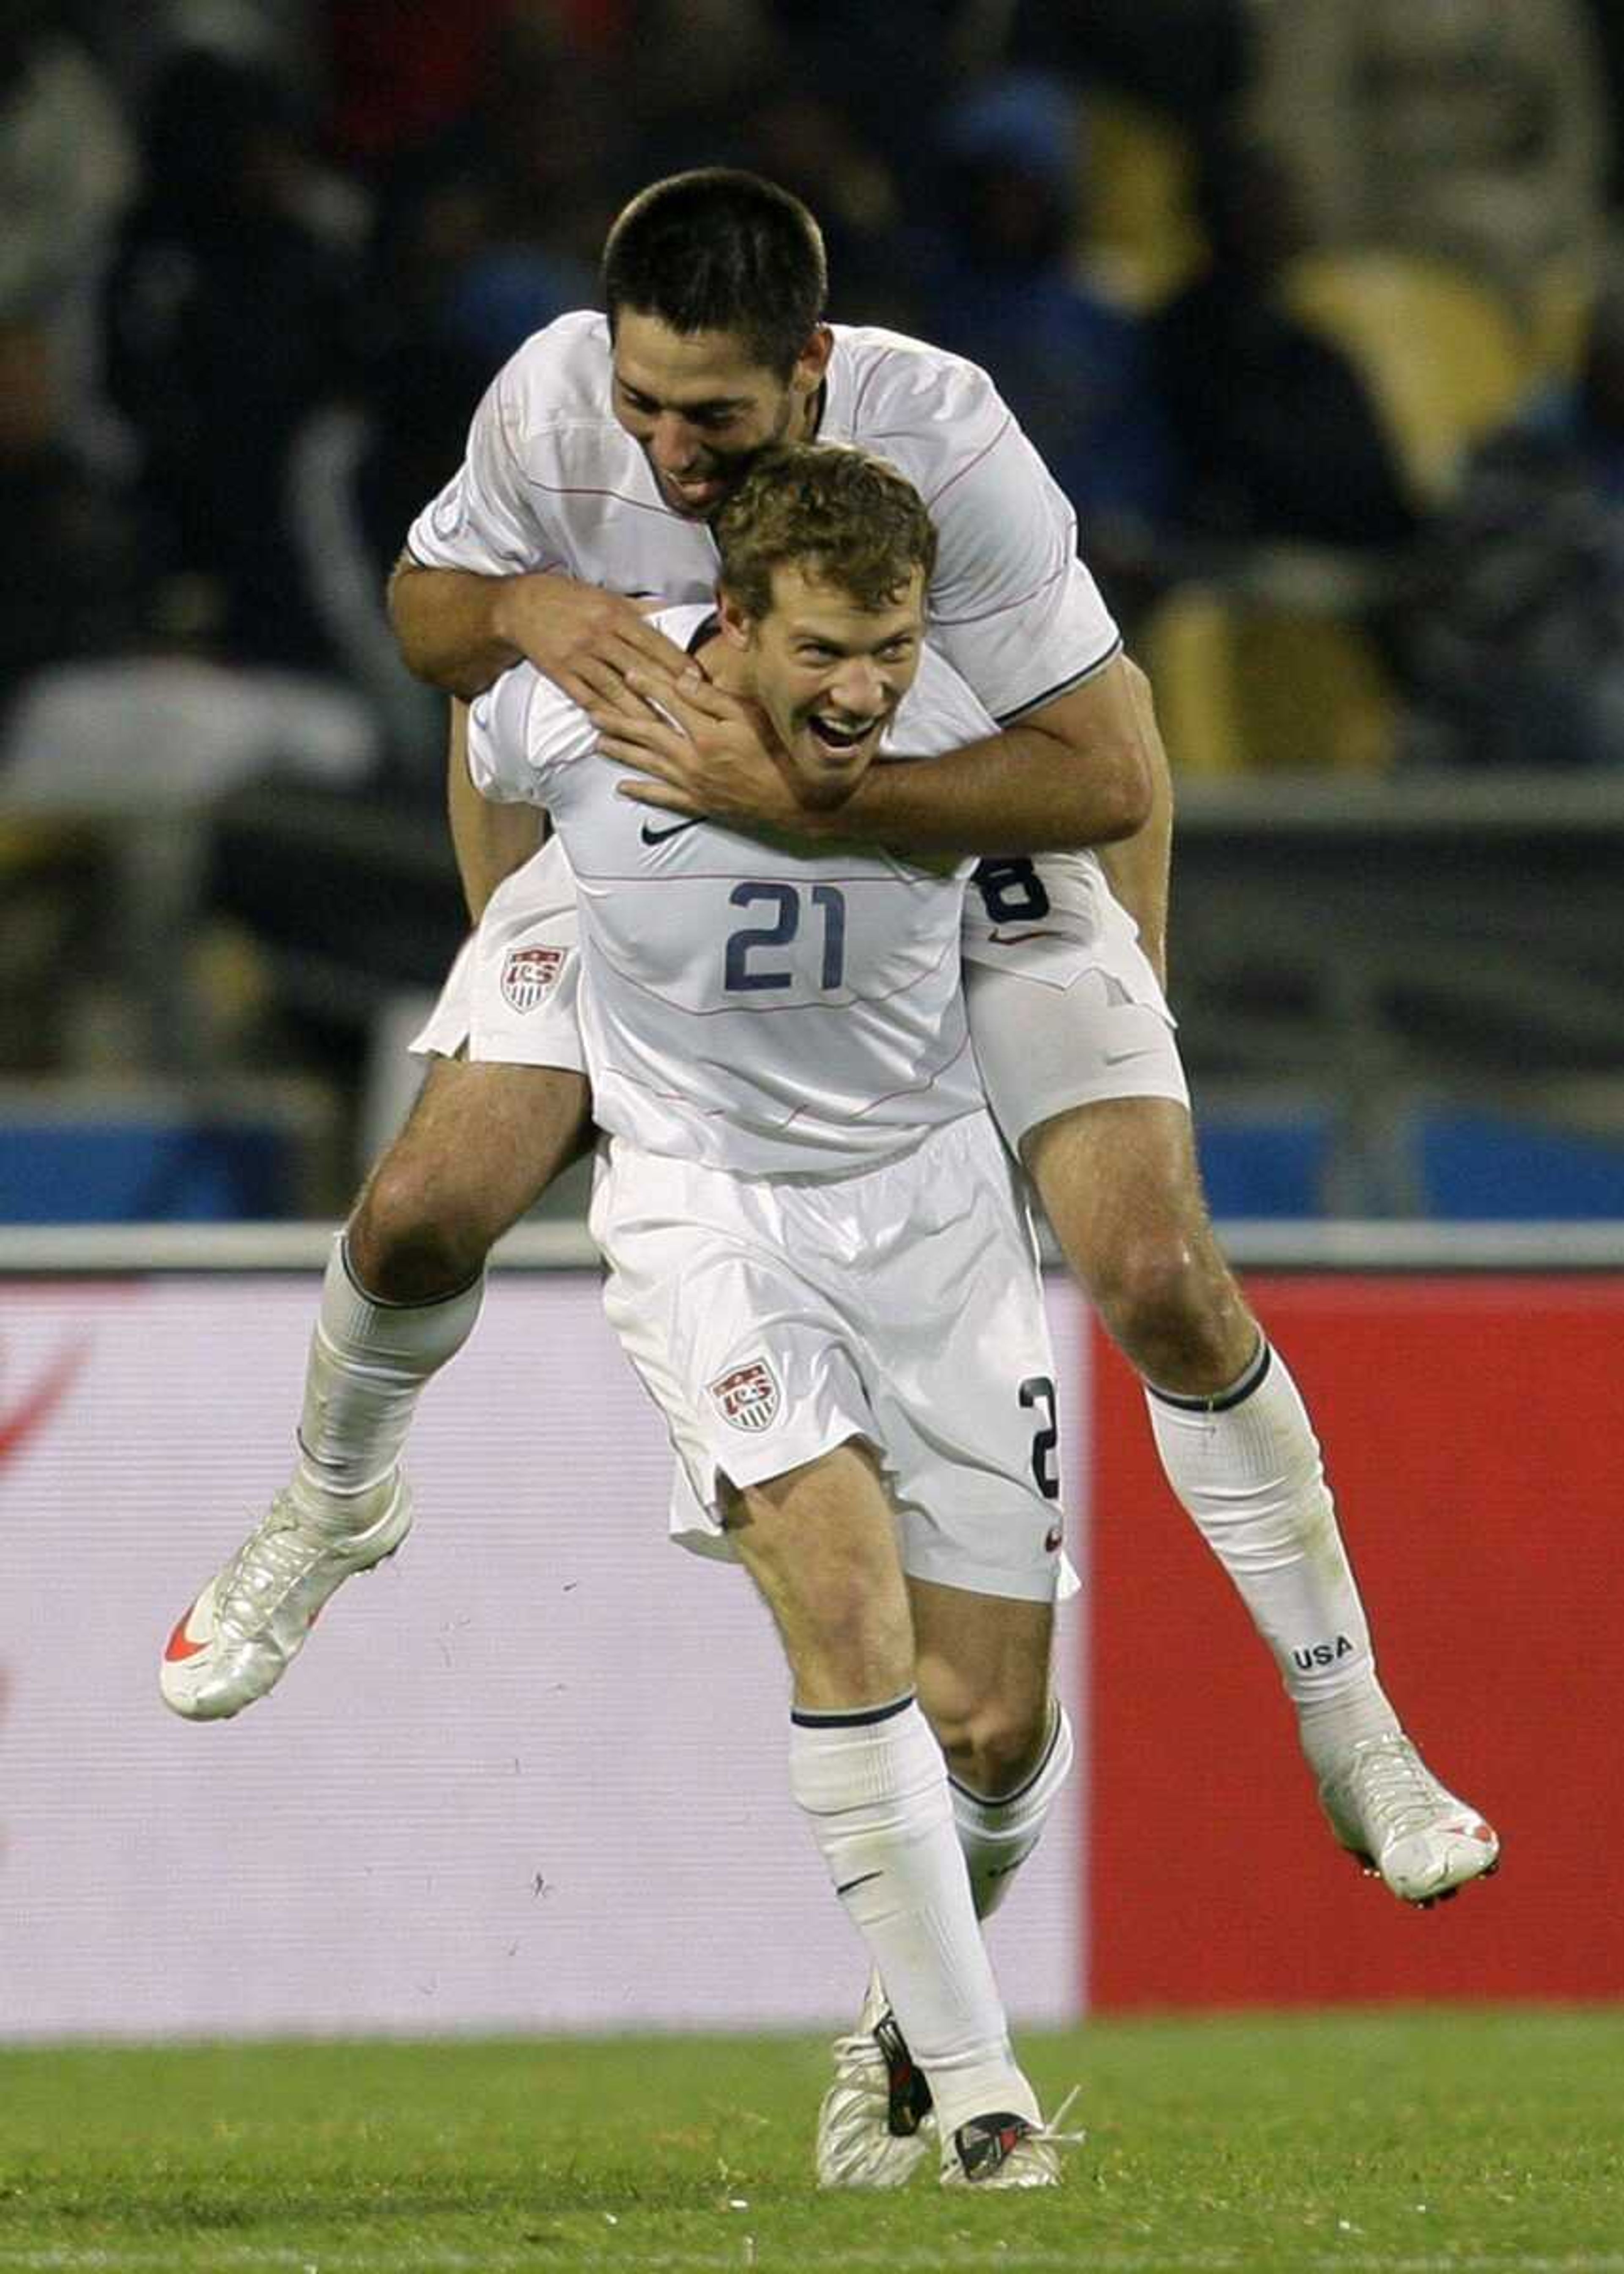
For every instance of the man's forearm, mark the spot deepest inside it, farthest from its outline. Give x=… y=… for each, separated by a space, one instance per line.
x=1076 y=773
x=490 y=840
x=447 y=623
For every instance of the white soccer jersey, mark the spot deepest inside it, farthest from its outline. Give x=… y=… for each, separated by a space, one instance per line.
x=551 y=481
x=767 y=1012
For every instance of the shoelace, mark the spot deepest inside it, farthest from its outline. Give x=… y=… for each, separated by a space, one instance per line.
x=265 y=1570
x=1388 y=1780
x=1049 y=2132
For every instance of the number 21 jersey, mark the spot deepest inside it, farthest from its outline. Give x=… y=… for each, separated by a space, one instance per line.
x=767 y=1012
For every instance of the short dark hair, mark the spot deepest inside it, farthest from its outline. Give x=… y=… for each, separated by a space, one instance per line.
x=852 y=519
x=718 y=250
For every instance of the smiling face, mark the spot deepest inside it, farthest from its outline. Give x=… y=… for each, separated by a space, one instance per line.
x=829 y=672
x=701 y=409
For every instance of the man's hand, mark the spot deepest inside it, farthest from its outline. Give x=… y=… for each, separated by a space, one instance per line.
x=586 y=640
x=461 y=631
x=711 y=752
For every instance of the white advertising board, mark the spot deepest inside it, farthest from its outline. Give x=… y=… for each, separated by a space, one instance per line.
x=529 y=1776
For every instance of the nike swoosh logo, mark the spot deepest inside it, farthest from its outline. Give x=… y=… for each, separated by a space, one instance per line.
x=652 y=836
x=852 y=1884
x=180 y=1645
x=1014 y=939
x=1121 y=1057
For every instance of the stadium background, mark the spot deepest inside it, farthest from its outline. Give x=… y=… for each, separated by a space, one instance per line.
x=1397 y=955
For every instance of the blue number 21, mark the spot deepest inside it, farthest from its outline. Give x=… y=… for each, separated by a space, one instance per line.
x=753 y=939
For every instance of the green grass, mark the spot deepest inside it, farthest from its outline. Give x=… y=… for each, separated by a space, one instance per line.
x=1415 y=2140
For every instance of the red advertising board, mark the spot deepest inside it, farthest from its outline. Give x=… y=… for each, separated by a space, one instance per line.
x=1474 y=1432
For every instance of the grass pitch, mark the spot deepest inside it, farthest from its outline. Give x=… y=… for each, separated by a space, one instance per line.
x=1417 y=2141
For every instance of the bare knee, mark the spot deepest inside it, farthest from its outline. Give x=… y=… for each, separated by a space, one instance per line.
x=1172 y=1307
x=418 y=1233
x=993 y=1745
x=483 y=1140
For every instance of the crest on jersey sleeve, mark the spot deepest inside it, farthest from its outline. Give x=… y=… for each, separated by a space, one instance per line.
x=530 y=973
x=747 y=1396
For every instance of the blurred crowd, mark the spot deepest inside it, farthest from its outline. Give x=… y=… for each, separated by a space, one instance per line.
x=1312 y=306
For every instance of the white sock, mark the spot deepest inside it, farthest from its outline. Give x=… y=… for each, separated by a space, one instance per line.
x=1246 y=1466
x=996 y=1836
x=368 y=1362
x=873 y=1787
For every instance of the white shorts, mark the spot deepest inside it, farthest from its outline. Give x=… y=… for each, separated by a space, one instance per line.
x=774 y=1319
x=1064 y=1008
x=510 y=995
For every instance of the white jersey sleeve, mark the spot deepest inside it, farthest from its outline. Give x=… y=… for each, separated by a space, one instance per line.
x=939 y=713
x=1011 y=606
x=524 y=731
x=521 y=732
x=485 y=518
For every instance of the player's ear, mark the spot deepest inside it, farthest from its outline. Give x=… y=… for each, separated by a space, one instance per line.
x=736 y=624
x=813 y=361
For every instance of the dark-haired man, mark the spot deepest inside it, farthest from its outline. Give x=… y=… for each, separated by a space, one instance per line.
x=593 y=468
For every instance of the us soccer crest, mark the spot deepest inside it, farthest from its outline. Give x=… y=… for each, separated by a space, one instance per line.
x=746 y=1397
x=530 y=975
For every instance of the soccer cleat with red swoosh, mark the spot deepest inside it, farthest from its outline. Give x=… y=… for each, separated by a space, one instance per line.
x=1393 y=1816
x=251 y=1621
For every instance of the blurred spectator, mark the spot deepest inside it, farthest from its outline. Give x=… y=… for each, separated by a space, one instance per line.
x=73 y=560
x=1276 y=437
x=103 y=721
x=402 y=74
x=1519 y=659
x=530 y=173
x=1474 y=130
x=1188 y=58
x=692 y=72
x=1072 y=365
x=889 y=69
x=359 y=473
x=67 y=168
x=67 y=160
x=228 y=314
x=806 y=140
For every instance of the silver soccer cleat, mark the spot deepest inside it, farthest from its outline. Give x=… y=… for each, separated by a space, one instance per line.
x=876 y=2127
x=251 y=1621
x=1388 y=1810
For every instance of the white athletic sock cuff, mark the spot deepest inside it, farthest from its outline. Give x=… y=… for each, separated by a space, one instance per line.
x=419 y=1337
x=836 y=1764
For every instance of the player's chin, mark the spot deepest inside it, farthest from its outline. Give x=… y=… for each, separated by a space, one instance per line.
x=694 y=500
x=822 y=782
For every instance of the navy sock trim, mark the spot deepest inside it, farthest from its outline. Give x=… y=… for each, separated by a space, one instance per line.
x=860 y=1718
x=383 y=1303
x=1222 y=1400
x=1006 y=1799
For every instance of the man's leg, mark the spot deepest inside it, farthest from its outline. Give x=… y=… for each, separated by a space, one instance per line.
x=982 y=1665
x=400 y=1295
x=869 y=1774
x=1120 y=1183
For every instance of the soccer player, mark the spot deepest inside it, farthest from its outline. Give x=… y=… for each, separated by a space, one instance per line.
x=594 y=468
x=818 y=1263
